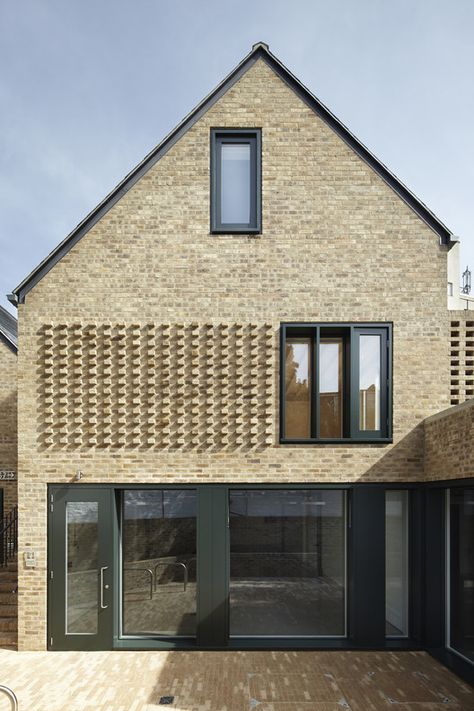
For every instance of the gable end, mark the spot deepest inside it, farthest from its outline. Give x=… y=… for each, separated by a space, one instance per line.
x=259 y=51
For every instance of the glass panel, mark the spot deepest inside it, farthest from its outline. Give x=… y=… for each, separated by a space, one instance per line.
x=159 y=562
x=330 y=387
x=369 y=382
x=235 y=183
x=287 y=562
x=396 y=563
x=461 y=572
x=297 y=389
x=82 y=567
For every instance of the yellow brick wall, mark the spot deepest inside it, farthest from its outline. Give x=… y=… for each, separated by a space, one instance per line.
x=449 y=443
x=337 y=245
x=8 y=423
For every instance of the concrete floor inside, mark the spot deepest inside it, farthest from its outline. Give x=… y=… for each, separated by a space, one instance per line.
x=231 y=681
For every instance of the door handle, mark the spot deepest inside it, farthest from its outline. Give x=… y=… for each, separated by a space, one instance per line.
x=102 y=606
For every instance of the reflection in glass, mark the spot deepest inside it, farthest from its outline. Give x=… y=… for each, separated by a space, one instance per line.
x=297 y=389
x=461 y=571
x=82 y=518
x=396 y=563
x=159 y=562
x=330 y=387
x=369 y=382
x=235 y=183
x=287 y=562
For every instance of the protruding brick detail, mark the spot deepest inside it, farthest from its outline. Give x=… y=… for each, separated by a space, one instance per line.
x=462 y=356
x=156 y=386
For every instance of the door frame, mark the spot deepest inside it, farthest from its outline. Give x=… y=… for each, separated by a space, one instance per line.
x=213 y=569
x=58 y=638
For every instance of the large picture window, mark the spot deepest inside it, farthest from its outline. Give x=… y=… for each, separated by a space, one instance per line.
x=235 y=180
x=335 y=382
x=287 y=562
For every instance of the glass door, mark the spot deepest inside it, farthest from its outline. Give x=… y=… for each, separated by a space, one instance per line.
x=80 y=568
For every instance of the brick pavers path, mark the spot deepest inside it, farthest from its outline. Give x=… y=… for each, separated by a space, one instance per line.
x=231 y=681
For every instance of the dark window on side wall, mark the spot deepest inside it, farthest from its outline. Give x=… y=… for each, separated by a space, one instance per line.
x=335 y=382
x=235 y=180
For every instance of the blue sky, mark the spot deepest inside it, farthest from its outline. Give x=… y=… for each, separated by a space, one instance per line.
x=88 y=87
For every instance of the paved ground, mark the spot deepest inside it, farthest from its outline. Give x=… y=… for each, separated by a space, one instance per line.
x=231 y=681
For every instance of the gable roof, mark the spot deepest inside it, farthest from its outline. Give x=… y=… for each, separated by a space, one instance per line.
x=8 y=330
x=259 y=51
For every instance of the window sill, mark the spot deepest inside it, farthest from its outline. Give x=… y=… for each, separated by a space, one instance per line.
x=378 y=440
x=237 y=231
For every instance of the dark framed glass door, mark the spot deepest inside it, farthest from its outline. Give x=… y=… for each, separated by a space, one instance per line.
x=80 y=568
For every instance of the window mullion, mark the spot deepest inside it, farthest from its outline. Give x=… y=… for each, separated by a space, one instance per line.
x=354 y=383
x=315 y=428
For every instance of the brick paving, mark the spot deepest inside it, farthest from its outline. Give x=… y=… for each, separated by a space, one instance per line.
x=231 y=681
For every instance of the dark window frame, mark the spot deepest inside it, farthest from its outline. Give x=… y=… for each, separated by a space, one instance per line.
x=351 y=332
x=253 y=137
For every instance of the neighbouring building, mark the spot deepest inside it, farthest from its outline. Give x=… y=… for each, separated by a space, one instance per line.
x=8 y=411
x=234 y=400
x=8 y=474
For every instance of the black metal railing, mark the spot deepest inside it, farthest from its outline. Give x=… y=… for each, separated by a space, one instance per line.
x=8 y=536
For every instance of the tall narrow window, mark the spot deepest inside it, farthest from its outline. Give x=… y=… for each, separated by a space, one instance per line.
x=331 y=387
x=297 y=388
x=460 y=568
x=369 y=382
x=396 y=563
x=82 y=551
x=235 y=180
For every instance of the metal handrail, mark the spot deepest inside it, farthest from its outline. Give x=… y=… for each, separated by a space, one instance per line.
x=9 y=536
x=144 y=570
x=182 y=565
x=11 y=695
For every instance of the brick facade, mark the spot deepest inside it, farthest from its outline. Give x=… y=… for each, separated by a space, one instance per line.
x=449 y=443
x=337 y=244
x=8 y=422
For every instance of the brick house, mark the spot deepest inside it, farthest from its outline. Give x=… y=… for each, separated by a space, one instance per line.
x=8 y=484
x=231 y=373
x=8 y=410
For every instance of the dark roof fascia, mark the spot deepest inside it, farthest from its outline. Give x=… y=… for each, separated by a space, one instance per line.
x=259 y=51
x=362 y=151
x=18 y=294
x=9 y=344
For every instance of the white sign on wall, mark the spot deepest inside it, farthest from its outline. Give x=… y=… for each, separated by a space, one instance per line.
x=7 y=475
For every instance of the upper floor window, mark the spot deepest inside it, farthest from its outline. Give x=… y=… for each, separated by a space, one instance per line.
x=335 y=382
x=235 y=180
